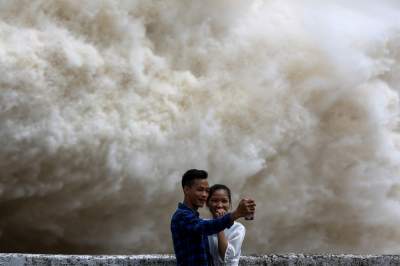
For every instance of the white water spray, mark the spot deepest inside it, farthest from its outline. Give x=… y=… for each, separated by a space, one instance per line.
x=105 y=104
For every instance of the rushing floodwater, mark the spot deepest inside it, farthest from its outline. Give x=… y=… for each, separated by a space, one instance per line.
x=104 y=104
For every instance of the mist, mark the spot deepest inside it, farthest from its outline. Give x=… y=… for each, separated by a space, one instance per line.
x=105 y=104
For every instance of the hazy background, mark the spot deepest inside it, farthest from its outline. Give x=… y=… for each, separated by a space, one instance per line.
x=105 y=104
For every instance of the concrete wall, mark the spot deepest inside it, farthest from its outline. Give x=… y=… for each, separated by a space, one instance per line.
x=291 y=259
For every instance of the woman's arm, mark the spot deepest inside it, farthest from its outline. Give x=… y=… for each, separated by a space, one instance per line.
x=233 y=249
x=222 y=244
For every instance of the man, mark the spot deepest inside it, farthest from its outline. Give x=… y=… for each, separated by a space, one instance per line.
x=189 y=232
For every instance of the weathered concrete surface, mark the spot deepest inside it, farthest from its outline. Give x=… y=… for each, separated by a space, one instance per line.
x=290 y=259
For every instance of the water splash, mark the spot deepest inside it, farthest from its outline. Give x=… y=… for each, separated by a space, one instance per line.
x=104 y=104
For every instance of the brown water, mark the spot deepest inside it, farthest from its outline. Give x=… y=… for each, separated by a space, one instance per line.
x=104 y=104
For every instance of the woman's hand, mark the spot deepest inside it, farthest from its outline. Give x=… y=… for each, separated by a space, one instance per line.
x=220 y=212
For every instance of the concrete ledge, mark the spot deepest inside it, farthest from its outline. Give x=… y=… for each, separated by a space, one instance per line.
x=290 y=259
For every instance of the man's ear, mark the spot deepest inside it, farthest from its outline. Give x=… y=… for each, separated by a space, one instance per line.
x=186 y=189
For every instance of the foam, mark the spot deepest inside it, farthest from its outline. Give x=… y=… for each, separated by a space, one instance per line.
x=104 y=104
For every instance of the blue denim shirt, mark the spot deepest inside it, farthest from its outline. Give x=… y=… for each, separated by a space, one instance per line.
x=189 y=234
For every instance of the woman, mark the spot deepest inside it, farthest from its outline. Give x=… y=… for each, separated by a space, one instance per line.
x=225 y=246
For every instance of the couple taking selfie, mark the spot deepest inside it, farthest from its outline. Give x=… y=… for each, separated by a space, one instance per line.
x=214 y=241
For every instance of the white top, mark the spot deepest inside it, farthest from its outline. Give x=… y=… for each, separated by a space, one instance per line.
x=235 y=236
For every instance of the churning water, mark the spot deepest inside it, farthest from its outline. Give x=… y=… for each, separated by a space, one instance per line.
x=105 y=104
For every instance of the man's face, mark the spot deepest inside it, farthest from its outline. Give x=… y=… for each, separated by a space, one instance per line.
x=197 y=193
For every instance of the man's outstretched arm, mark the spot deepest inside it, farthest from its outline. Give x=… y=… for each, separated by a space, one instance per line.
x=191 y=223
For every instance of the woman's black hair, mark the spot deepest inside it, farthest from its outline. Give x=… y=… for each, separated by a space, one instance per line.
x=218 y=187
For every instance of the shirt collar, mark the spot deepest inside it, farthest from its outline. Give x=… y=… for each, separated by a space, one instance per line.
x=183 y=206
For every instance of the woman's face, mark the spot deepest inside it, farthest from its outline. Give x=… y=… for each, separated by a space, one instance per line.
x=218 y=202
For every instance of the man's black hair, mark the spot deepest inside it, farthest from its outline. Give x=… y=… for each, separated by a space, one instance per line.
x=192 y=174
x=218 y=187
